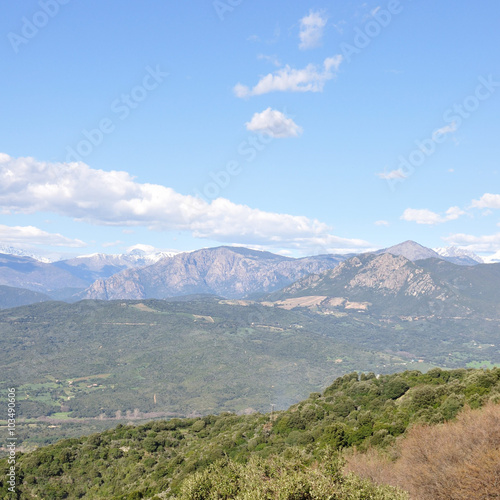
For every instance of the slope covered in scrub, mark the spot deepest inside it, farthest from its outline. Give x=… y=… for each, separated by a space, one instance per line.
x=162 y=458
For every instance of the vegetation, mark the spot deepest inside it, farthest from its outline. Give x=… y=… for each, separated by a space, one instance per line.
x=14 y=297
x=122 y=360
x=456 y=461
x=288 y=449
x=291 y=476
x=128 y=352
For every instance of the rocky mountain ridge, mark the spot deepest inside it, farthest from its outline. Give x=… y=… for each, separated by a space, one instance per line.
x=231 y=272
x=392 y=284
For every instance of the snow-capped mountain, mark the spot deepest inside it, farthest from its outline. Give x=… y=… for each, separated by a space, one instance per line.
x=460 y=254
x=20 y=252
x=100 y=265
x=135 y=258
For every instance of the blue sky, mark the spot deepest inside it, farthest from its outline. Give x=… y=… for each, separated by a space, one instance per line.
x=299 y=128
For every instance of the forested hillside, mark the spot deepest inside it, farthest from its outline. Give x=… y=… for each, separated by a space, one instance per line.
x=167 y=458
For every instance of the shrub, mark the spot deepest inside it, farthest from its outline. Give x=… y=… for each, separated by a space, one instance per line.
x=395 y=388
x=458 y=460
x=293 y=477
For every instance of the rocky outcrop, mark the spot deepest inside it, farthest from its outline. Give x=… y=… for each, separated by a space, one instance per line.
x=224 y=271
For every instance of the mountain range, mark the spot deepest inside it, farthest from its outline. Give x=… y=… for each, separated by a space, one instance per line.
x=230 y=272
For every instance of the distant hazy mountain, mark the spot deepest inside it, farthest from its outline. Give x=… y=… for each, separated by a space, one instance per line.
x=231 y=272
x=99 y=265
x=459 y=256
x=392 y=284
x=19 y=252
x=14 y=297
x=64 y=278
x=31 y=274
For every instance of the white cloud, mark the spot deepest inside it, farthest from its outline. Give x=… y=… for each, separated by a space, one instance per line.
x=425 y=216
x=453 y=213
x=447 y=129
x=115 y=199
x=30 y=235
x=311 y=30
x=422 y=216
x=493 y=258
x=486 y=243
x=381 y=223
x=393 y=174
x=287 y=79
x=273 y=123
x=488 y=200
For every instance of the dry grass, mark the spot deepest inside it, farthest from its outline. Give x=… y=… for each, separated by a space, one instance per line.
x=458 y=460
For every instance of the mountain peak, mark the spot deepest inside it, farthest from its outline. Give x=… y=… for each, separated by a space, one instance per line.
x=411 y=250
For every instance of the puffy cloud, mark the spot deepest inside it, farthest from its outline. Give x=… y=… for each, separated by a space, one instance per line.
x=115 y=199
x=30 y=235
x=488 y=200
x=422 y=216
x=425 y=216
x=287 y=79
x=453 y=213
x=311 y=30
x=273 y=123
x=493 y=258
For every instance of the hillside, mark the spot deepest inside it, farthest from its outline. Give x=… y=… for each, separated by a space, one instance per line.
x=99 y=362
x=14 y=297
x=94 y=359
x=166 y=458
x=393 y=285
x=231 y=272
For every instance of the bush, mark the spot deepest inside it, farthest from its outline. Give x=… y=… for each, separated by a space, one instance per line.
x=395 y=388
x=293 y=477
